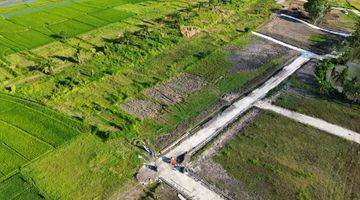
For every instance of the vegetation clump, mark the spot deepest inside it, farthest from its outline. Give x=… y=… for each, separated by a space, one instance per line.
x=317 y=8
x=334 y=80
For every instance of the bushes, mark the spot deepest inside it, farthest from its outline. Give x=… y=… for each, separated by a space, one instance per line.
x=352 y=90
x=317 y=8
x=349 y=87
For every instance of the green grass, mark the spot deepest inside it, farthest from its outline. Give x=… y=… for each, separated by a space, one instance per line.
x=344 y=114
x=86 y=168
x=50 y=127
x=336 y=19
x=10 y=159
x=28 y=130
x=154 y=54
x=22 y=142
x=282 y=159
x=17 y=188
x=55 y=18
x=317 y=38
x=354 y=3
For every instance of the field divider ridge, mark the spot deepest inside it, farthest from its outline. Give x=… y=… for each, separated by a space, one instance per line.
x=42 y=113
x=27 y=133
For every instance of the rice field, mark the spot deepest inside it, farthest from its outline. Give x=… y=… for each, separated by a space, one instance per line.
x=54 y=20
x=28 y=130
x=17 y=188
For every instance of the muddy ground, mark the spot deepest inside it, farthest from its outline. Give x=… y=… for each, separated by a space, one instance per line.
x=154 y=191
x=300 y=35
x=170 y=92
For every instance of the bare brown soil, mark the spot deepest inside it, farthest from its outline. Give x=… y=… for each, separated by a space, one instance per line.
x=176 y=89
x=299 y=35
x=333 y=20
x=257 y=54
x=141 y=108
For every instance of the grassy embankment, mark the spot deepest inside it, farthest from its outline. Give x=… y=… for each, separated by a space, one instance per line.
x=282 y=159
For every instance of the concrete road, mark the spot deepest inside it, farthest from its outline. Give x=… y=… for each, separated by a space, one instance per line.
x=195 y=189
x=314 y=122
x=186 y=185
x=217 y=124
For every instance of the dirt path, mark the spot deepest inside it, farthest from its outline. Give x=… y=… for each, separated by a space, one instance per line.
x=315 y=122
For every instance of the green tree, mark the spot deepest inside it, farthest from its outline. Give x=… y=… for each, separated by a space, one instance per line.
x=317 y=8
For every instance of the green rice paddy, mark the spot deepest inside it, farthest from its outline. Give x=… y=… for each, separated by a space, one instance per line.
x=31 y=25
x=28 y=131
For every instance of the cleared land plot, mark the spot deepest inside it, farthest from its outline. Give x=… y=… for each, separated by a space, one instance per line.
x=28 y=130
x=337 y=20
x=303 y=97
x=176 y=89
x=218 y=71
x=300 y=35
x=256 y=54
x=282 y=159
